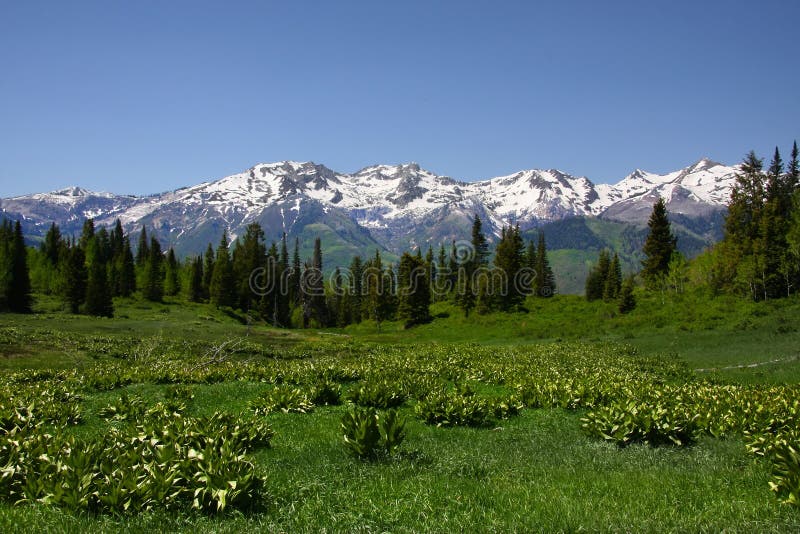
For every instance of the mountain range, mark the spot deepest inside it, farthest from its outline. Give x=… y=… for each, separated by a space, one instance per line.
x=395 y=207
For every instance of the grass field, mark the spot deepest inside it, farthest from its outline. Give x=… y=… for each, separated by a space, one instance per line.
x=539 y=470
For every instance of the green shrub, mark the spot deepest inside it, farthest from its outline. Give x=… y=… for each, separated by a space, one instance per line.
x=378 y=394
x=369 y=435
x=282 y=398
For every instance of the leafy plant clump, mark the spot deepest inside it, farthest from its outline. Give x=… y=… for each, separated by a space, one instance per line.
x=286 y=399
x=377 y=394
x=369 y=434
x=454 y=408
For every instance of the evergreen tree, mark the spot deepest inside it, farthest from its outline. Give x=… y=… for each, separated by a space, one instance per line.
x=315 y=284
x=270 y=292
x=143 y=250
x=295 y=293
x=87 y=233
x=378 y=305
x=509 y=260
x=793 y=172
x=15 y=283
x=98 y=292
x=52 y=244
x=440 y=288
x=659 y=245
x=627 y=301
x=613 y=282
x=480 y=246
x=249 y=256
x=126 y=279
x=356 y=292
x=336 y=302
x=596 y=280
x=75 y=277
x=195 y=289
x=413 y=290
x=545 y=282
x=208 y=271
x=153 y=278
x=172 y=281
x=466 y=292
x=116 y=239
x=223 y=285
x=430 y=270
x=283 y=310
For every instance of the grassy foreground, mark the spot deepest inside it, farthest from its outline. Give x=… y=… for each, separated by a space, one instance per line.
x=538 y=470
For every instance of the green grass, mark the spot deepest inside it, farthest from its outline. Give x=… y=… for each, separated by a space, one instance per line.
x=534 y=472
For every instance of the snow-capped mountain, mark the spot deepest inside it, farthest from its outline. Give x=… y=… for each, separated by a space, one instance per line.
x=384 y=206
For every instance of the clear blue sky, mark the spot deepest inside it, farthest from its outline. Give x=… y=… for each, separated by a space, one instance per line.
x=142 y=97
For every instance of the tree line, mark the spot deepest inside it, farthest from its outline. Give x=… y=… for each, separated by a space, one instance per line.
x=267 y=282
x=758 y=257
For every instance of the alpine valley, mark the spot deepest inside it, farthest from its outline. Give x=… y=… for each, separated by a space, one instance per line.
x=397 y=207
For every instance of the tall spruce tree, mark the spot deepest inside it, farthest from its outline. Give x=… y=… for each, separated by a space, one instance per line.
x=283 y=312
x=172 y=279
x=659 y=245
x=627 y=301
x=509 y=260
x=613 y=282
x=143 y=249
x=74 y=278
x=15 y=283
x=223 y=284
x=315 y=284
x=153 y=276
x=356 y=293
x=545 y=281
x=413 y=291
x=126 y=279
x=596 y=279
x=195 y=292
x=52 y=244
x=250 y=256
x=98 y=290
x=208 y=271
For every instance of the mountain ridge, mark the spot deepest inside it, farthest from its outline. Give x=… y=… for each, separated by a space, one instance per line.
x=389 y=207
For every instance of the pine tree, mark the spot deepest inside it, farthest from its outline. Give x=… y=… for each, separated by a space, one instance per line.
x=143 y=250
x=509 y=260
x=413 y=291
x=430 y=270
x=545 y=282
x=659 y=245
x=126 y=280
x=98 y=292
x=627 y=301
x=87 y=233
x=153 y=278
x=75 y=277
x=466 y=293
x=440 y=288
x=52 y=244
x=596 y=280
x=356 y=293
x=15 y=283
x=195 y=289
x=793 y=172
x=295 y=291
x=315 y=285
x=172 y=281
x=208 y=271
x=223 y=288
x=377 y=289
x=613 y=281
x=283 y=309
